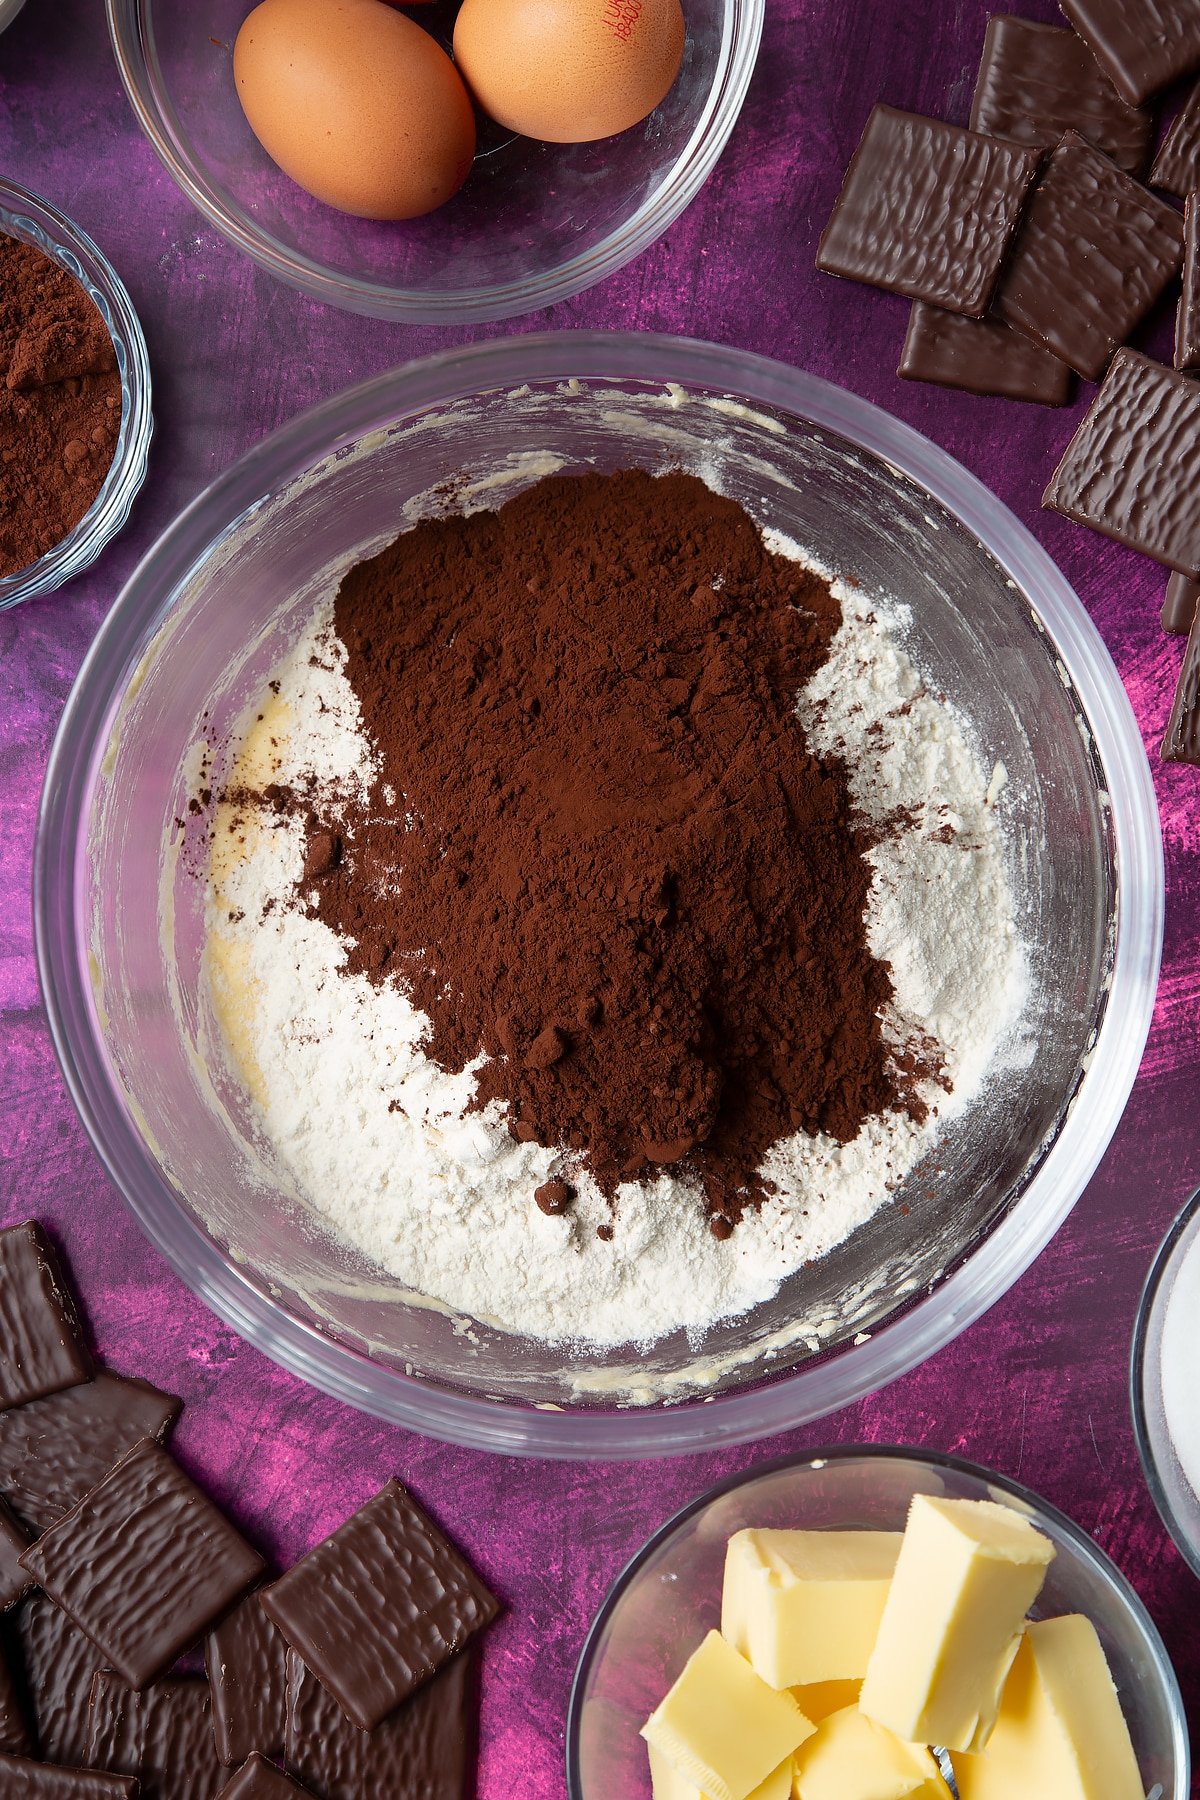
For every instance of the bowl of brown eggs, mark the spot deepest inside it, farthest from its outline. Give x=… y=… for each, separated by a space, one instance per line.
x=448 y=161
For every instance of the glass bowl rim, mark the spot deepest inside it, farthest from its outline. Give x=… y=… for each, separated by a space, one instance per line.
x=110 y=509
x=742 y=27
x=738 y=1415
x=1083 y=1544
x=1187 y=1547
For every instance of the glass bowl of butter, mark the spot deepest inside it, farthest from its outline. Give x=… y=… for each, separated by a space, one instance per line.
x=758 y=1641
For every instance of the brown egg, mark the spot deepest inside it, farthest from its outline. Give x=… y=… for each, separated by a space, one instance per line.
x=569 y=70
x=356 y=103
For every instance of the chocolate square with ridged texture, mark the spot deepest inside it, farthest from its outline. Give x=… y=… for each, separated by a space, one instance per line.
x=1187 y=312
x=260 y=1780
x=163 y=1735
x=1182 y=742
x=1176 y=167
x=927 y=209
x=1037 y=81
x=54 y=1451
x=15 y=1582
x=246 y=1659
x=143 y=1564
x=380 y=1606
x=1180 y=604
x=21 y=1779
x=41 y=1347
x=1094 y=252
x=59 y=1663
x=16 y=1739
x=424 y=1751
x=1143 y=45
x=1132 y=470
x=981 y=356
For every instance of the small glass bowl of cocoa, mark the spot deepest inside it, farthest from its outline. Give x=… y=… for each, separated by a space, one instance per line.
x=34 y=222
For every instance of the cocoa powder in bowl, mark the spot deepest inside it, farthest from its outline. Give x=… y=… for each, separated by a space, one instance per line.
x=599 y=851
x=60 y=403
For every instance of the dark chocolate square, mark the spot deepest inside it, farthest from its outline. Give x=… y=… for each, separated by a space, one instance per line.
x=424 y=1751
x=16 y=1738
x=41 y=1348
x=261 y=1780
x=15 y=1582
x=59 y=1663
x=21 y=1779
x=1144 y=45
x=1182 y=742
x=162 y=1734
x=927 y=209
x=1177 y=165
x=1132 y=470
x=143 y=1564
x=1187 y=313
x=246 y=1659
x=54 y=1451
x=378 y=1607
x=1037 y=81
x=981 y=356
x=1179 y=605
x=1094 y=252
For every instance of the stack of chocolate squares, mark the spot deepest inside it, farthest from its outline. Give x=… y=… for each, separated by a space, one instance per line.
x=349 y=1678
x=1032 y=252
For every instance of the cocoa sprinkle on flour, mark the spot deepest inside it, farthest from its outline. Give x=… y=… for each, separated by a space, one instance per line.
x=633 y=894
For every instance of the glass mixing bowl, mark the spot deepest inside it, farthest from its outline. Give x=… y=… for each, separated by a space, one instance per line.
x=534 y=224
x=670 y=1596
x=196 y=634
x=1176 y=1496
x=23 y=215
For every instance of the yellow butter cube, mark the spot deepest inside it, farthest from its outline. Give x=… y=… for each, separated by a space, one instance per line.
x=967 y=1573
x=668 y=1784
x=804 y=1606
x=850 y=1757
x=1060 y=1733
x=721 y=1726
x=817 y=1699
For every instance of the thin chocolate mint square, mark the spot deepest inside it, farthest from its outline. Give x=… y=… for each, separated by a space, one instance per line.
x=59 y=1663
x=162 y=1735
x=1177 y=164
x=1180 y=604
x=41 y=1348
x=143 y=1564
x=246 y=1659
x=1187 y=313
x=1182 y=742
x=258 y=1779
x=1094 y=252
x=15 y=1736
x=1132 y=470
x=927 y=209
x=15 y=1582
x=1037 y=81
x=54 y=1451
x=380 y=1606
x=1144 y=45
x=981 y=356
x=424 y=1751
x=21 y=1779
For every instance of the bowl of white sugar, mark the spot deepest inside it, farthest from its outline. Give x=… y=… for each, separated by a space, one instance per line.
x=597 y=896
x=1164 y=1391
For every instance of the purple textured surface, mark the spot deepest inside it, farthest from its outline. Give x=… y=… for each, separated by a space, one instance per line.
x=1037 y=1387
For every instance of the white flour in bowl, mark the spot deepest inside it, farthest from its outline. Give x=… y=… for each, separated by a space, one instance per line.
x=377 y=1139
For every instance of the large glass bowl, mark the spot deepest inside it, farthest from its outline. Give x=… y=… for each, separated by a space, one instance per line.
x=670 y=1596
x=198 y=630
x=534 y=224
x=23 y=215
